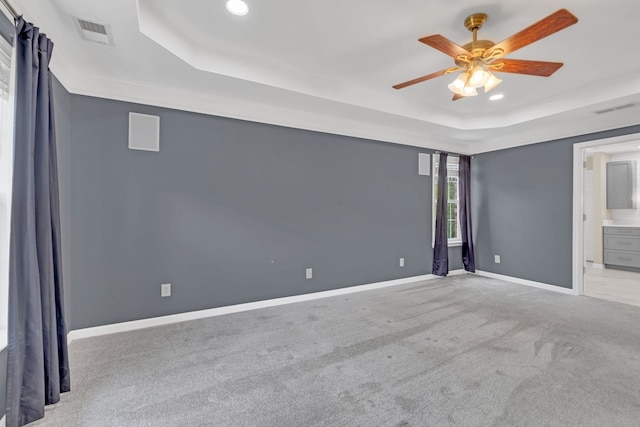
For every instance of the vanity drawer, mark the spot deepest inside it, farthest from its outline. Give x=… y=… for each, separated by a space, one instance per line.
x=622 y=243
x=627 y=259
x=626 y=231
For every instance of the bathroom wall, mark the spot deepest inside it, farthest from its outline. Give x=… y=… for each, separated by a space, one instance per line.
x=601 y=214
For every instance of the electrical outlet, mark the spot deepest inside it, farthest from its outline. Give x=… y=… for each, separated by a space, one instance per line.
x=401 y=262
x=309 y=273
x=165 y=290
x=497 y=259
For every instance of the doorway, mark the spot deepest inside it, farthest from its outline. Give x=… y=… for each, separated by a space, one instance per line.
x=596 y=272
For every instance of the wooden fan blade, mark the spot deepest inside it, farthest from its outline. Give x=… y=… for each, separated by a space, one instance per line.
x=456 y=97
x=522 y=66
x=545 y=27
x=421 y=79
x=445 y=45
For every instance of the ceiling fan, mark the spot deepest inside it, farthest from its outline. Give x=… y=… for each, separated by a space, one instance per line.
x=477 y=59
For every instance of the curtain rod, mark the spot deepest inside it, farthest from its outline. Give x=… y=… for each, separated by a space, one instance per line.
x=10 y=8
x=453 y=154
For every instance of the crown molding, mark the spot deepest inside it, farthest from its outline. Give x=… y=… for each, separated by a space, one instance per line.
x=243 y=109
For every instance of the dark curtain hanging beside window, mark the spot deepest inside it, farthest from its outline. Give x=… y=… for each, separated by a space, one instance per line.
x=440 y=247
x=468 y=256
x=37 y=360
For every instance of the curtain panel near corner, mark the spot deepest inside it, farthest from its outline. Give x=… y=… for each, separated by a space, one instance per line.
x=37 y=360
x=440 y=247
x=468 y=255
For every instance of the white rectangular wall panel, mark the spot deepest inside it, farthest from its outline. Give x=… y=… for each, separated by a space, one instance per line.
x=424 y=164
x=144 y=132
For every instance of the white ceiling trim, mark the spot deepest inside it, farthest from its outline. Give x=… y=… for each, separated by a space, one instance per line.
x=559 y=132
x=167 y=97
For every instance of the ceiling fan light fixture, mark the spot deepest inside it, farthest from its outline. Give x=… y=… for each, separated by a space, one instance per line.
x=479 y=57
x=491 y=83
x=237 y=7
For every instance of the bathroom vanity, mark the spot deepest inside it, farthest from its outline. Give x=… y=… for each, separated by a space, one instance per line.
x=622 y=247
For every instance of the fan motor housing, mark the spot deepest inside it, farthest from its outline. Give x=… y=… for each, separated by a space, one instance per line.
x=477 y=49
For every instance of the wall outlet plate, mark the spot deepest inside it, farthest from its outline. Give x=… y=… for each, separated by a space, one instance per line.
x=309 y=273
x=496 y=258
x=401 y=262
x=165 y=290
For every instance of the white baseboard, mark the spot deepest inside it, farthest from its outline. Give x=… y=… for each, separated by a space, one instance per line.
x=598 y=266
x=527 y=282
x=457 y=272
x=219 y=311
x=3 y=421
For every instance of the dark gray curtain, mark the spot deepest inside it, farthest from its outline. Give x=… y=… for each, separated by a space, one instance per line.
x=464 y=182
x=440 y=247
x=37 y=363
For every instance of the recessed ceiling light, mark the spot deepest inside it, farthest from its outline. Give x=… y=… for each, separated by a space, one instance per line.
x=237 y=7
x=496 y=97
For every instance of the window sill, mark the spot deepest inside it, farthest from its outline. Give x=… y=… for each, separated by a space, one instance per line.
x=450 y=243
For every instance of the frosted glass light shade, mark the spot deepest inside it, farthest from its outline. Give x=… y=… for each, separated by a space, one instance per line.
x=491 y=83
x=469 y=91
x=460 y=86
x=457 y=86
x=479 y=76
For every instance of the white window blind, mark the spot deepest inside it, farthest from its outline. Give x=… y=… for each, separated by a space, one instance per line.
x=6 y=175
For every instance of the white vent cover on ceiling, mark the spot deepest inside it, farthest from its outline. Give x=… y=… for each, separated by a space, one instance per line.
x=94 y=31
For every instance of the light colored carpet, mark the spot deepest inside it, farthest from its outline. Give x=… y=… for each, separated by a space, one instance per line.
x=463 y=350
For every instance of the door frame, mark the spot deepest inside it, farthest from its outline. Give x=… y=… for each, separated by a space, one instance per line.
x=579 y=150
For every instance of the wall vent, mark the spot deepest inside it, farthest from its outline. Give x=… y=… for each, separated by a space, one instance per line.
x=622 y=107
x=94 y=31
x=616 y=108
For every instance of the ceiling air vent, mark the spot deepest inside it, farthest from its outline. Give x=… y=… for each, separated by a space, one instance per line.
x=616 y=108
x=94 y=31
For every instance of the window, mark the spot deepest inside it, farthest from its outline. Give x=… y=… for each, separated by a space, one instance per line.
x=6 y=173
x=453 y=222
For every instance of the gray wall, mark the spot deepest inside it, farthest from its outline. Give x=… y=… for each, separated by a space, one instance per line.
x=231 y=211
x=522 y=209
x=62 y=109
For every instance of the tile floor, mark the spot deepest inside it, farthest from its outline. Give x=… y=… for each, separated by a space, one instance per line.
x=613 y=285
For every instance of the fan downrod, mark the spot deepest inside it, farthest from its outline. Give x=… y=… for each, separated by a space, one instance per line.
x=477 y=47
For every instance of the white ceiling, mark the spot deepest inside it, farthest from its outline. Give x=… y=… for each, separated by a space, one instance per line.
x=329 y=65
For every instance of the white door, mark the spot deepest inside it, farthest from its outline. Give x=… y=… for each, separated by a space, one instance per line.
x=588 y=215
